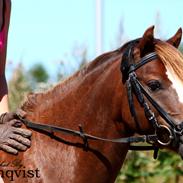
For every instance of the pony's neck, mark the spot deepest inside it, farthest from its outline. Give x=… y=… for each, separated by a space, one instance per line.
x=92 y=95
x=92 y=98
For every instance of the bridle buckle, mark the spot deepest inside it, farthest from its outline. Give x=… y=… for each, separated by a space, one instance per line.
x=164 y=135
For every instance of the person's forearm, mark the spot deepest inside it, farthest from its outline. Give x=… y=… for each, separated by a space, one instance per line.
x=3 y=95
x=4 y=104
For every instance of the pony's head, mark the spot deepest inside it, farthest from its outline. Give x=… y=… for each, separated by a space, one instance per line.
x=153 y=74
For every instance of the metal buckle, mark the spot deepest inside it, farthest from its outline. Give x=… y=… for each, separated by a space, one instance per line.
x=164 y=134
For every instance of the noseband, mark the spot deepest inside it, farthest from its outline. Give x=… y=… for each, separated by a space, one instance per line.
x=163 y=134
x=166 y=134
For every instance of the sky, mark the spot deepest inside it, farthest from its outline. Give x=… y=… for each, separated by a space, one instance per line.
x=49 y=31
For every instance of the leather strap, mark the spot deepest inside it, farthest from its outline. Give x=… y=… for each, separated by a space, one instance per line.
x=161 y=111
x=146 y=59
x=50 y=129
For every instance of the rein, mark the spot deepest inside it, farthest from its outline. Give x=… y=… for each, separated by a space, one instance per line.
x=163 y=135
x=51 y=129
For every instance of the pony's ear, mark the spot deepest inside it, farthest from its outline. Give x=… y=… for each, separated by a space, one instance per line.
x=146 y=43
x=175 y=40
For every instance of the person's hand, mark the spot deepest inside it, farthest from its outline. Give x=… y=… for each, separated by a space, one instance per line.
x=12 y=137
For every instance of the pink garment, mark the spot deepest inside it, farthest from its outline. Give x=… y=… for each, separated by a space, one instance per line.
x=2 y=39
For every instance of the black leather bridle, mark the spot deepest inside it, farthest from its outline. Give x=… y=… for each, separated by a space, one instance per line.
x=164 y=135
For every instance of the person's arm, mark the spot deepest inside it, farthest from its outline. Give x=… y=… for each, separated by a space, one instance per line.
x=3 y=95
x=12 y=138
x=5 y=9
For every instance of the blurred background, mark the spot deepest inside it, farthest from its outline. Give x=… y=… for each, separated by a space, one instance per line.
x=51 y=39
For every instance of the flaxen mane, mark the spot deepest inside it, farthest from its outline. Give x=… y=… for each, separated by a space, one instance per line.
x=171 y=58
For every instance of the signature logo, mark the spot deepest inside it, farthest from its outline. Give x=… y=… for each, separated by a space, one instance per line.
x=15 y=169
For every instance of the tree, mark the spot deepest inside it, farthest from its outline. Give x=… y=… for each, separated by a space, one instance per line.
x=18 y=87
x=39 y=73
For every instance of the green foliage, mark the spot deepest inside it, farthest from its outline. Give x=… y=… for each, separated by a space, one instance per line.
x=23 y=82
x=140 y=167
x=18 y=87
x=39 y=73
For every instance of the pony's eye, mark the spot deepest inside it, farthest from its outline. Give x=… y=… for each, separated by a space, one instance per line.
x=154 y=85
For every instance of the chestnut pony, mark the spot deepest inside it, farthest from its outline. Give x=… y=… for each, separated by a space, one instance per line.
x=96 y=97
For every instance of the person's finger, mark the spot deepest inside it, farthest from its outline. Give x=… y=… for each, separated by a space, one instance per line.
x=21 y=139
x=15 y=123
x=23 y=132
x=21 y=113
x=9 y=116
x=8 y=149
x=16 y=145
